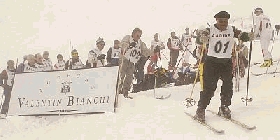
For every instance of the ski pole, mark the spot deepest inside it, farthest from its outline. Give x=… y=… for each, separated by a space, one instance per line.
x=246 y=99
x=189 y=100
x=236 y=69
x=276 y=68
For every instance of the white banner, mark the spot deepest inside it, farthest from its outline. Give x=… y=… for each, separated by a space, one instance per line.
x=64 y=92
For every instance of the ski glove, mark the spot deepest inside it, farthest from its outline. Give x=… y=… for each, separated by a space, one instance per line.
x=204 y=39
x=244 y=36
x=101 y=56
x=132 y=44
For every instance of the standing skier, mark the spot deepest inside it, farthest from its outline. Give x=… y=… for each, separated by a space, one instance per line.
x=132 y=49
x=157 y=46
x=113 y=54
x=264 y=29
x=174 y=47
x=186 y=42
x=218 y=64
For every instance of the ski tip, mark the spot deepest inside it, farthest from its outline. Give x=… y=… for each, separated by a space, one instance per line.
x=252 y=128
x=221 y=132
x=162 y=97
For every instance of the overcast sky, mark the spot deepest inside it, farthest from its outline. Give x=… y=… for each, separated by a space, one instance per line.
x=36 y=25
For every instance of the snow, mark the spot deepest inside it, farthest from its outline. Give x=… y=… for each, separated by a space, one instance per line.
x=145 y=117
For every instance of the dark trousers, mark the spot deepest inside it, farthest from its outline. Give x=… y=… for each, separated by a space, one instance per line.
x=173 y=57
x=139 y=67
x=115 y=61
x=215 y=69
x=5 y=106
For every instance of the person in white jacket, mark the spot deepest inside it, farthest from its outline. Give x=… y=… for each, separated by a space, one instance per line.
x=264 y=29
x=60 y=65
x=95 y=56
x=47 y=61
x=30 y=65
x=39 y=62
x=186 y=42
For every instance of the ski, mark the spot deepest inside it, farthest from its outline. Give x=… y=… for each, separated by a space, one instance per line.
x=128 y=97
x=258 y=63
x=166 y=85
x=164 y=97
x=210 y=127
x=259 y=74
x=243 y=125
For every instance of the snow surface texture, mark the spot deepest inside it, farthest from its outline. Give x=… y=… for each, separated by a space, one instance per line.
x=145 y=117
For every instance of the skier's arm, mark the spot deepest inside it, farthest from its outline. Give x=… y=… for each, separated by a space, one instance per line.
x=257 y=26
x=152 y=46
x=145 y=51
x=109 y=54
x=169 y=43
x=243 y=36
x=3 y=77
x=182 y=39
x=67 y=65
x=162 y=46
x=273 y=31
x=124 y=44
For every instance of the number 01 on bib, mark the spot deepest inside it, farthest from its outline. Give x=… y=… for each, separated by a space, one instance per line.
x=221 y=42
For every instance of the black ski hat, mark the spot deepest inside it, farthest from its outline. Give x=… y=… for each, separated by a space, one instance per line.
x=258 y=10
x=222 y=14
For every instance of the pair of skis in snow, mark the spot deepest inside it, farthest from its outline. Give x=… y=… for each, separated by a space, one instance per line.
x=220 y=131
x=266 y=72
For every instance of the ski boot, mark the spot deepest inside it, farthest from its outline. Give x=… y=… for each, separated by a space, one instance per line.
x=120 y=91
x=3 y=116
x=125 y=95
x=200 y=114
x=271 y=62
x=224 y=111
x=267 y=63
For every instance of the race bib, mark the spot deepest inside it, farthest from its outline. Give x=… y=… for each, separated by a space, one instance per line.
x=175 y=43
x=11 y=75
x=28 y=68
x=116 y=53
x=187 y=40
x=221 y=43
x=133 y=53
